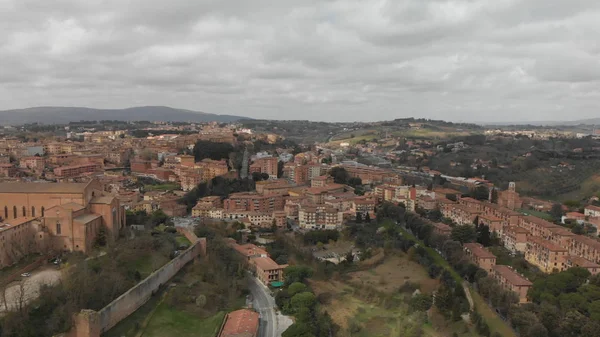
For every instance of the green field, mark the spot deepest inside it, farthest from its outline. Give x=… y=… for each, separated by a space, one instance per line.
x=162 y=187
x=542 y=215
x=168 y=322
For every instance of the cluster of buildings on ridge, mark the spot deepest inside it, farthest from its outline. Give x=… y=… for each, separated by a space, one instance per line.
x=547 y=246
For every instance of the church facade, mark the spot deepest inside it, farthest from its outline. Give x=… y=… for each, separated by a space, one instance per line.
x=45 y=217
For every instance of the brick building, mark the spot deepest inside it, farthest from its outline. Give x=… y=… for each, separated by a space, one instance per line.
x=480 y=256
x=266 y=165
x=68 y=216
x=511 y=280
x=240 y=323
x=545 y=255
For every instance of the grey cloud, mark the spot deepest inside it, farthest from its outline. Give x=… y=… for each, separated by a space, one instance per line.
x=289 y=59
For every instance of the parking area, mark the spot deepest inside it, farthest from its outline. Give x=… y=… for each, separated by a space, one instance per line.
x=27 y=288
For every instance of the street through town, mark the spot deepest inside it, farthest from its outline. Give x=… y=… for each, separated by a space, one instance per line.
x=271 y=323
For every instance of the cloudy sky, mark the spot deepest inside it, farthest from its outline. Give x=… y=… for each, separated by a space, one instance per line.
x=469 y=60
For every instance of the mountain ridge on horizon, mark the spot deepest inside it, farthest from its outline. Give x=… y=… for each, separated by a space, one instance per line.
x=63 y=115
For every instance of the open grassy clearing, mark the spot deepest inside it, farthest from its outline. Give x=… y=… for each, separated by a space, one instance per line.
x=169 y=322
x=396 y=270
x=360 y=299
x=162 y=187
x=489 y=315
x=496 y=323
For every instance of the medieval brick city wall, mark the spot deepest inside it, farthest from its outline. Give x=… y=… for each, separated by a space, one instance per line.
x=90 y=323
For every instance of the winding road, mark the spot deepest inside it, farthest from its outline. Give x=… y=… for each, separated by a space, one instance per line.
x=271 y=323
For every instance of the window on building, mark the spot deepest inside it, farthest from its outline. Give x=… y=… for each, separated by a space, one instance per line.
x=5 y=212
x=33 y=211
x=24 y=211
x=43 y=209
x=58 y=229
x=15 y=212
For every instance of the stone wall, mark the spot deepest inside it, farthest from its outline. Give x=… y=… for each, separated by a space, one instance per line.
x=89 y=323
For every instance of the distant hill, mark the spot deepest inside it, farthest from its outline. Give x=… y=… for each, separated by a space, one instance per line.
x=62 y=115
x=590 y=121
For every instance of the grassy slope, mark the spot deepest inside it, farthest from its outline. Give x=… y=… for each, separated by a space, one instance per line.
x=495 y=322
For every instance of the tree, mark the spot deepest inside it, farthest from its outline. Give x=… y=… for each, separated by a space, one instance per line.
x=296 y=288
x=340 y=175
x=463 y=233
x=367 y=218
x=297 y=274
x=591 y=329
x=480 y=193
x=578 y=229
x=359 y=217
x=303 y=300
x=484 y=236
x=494 y=196
x=444 y=300
x=298 y=329
x=572 y=324
x=420 y=302
x=355 y=182
x=556 y=211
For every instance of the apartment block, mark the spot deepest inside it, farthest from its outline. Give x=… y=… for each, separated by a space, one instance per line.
x=460 y=214
x=266 y=165
x=311 y=217
x=442 y=229
x=514 y=239
x=480 y=256
x=545 y=255
x=585 y=247
x=251 y=201
x=75 y=170
x=576 y=261
x=511 y=280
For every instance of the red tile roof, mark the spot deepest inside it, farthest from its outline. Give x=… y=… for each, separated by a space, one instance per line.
x=511 y=276
x=266 y=263
x=240 y=323
x=479 y=251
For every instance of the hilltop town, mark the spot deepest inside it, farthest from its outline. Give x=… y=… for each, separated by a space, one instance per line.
x=338 y=195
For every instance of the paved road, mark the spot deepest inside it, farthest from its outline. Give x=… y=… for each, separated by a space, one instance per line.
x=264 y=303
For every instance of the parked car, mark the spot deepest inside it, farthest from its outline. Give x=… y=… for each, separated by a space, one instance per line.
x=25 y=274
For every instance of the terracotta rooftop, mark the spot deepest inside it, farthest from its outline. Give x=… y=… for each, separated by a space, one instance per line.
x=546 y=244
x=74 y=188
x=593 y=208
x=511 y=276
x=266 y=263
x=538 y=221
x=516 y=229
x=581 y=262
x=479 y=251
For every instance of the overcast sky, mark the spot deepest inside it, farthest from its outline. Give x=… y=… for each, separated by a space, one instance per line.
x=479 y=60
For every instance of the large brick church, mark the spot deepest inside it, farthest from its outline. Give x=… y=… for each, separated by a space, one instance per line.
x=43 y=217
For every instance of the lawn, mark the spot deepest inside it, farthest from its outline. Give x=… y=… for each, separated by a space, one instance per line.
x=182 y=240
x=162 y=187
x=542 y=215
x=496 y=323
x=168 y=322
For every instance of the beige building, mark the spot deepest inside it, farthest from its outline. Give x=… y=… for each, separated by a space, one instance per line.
x=546 y=255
